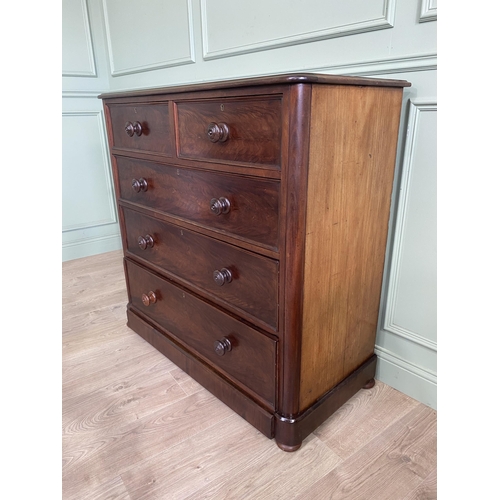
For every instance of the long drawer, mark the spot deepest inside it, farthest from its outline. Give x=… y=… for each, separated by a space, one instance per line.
x=247 y=208
x=234 y=348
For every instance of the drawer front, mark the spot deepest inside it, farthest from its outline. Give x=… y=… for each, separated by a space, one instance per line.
x=252 y=213
x=242 y=279
x=246 y=131
x=251 y=359
x=153 y=133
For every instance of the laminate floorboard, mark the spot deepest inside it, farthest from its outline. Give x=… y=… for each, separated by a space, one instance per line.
x=135 y=426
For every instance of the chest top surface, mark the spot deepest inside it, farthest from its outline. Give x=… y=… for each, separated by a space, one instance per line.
x=290 y=78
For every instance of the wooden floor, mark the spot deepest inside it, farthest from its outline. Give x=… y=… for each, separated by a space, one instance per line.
x=129 y=430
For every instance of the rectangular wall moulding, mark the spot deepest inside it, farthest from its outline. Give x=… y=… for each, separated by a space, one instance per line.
x=77 y=50
x=88 y=195
x=411 y=299
x=146 y=36
x=231 y=28
x=428 y=11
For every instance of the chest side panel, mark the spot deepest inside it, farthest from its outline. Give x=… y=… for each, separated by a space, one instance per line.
x=351 y=166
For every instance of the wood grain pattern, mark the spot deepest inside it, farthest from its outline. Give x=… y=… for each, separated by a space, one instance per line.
x=119 y=442
x=186 y=194
x=157 y=135
x=363 y=418
x=426 y=490
x=351 y=169
x=258 y=479
x=254 y=130
x=182 y=473
x=405 y=455
x=294 y=185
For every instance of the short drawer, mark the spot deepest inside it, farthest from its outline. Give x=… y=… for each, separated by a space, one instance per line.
x=241 y=352
x=142 y=127
x=243 y=280
x=244 y=207
x=244 y=131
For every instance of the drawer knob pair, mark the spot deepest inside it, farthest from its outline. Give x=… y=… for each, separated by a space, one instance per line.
x=149 y=298
x=222 y=346
x=218 y=132
x=220 y=206
x=222 y=276
x=139 y=185
x=133 y=128
x=145 y=242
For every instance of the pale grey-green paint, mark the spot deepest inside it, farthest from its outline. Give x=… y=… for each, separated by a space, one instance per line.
x=260 y=25
x=155 y=43
x=413 y=271
x=148 y=35
x=86 y=171
x=77 y=49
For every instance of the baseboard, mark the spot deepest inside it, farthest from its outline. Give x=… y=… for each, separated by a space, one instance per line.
x=406 y=377
x=91 y=246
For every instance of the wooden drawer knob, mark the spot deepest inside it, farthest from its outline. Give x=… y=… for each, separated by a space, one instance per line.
x=222 y=346
x=149 y=298
x=145 y=242
x=219 y=206
x=222 y=276
x=133 y=128
x=218 y=132
x=139 y=185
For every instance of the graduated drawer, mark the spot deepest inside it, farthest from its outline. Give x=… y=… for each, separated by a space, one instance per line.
x=248 y=356
x=243 y=280
x=244 y=131
x=191 y=195
x=152 y=134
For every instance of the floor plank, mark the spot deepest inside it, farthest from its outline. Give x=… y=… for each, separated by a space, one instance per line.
x=121 y=448
x=389 y=466
x=426 y=490
x=203 y=459
x=275 y=474
x=364 y=417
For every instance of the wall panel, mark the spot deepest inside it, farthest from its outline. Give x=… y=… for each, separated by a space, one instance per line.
x=77 y=50
x=413 y=267
x=231 y=28
x=148 y=35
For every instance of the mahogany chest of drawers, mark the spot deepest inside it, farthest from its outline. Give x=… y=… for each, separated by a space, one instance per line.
x=254 y=217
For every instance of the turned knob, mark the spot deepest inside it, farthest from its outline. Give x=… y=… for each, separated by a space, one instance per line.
x=145 y=241
x=139 y=185
x=222 y=276
x=149 y=298
x=220 y=206
x=133 y=128
x=218 y=132
x=222 y=346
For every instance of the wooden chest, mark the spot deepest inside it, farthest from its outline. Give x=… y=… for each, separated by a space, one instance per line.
x=254 y=217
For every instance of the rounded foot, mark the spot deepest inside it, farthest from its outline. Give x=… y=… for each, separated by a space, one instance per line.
x=369 y=384
x=285 y=447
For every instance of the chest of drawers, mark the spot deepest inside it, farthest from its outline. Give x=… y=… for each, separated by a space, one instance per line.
x=254 y=219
